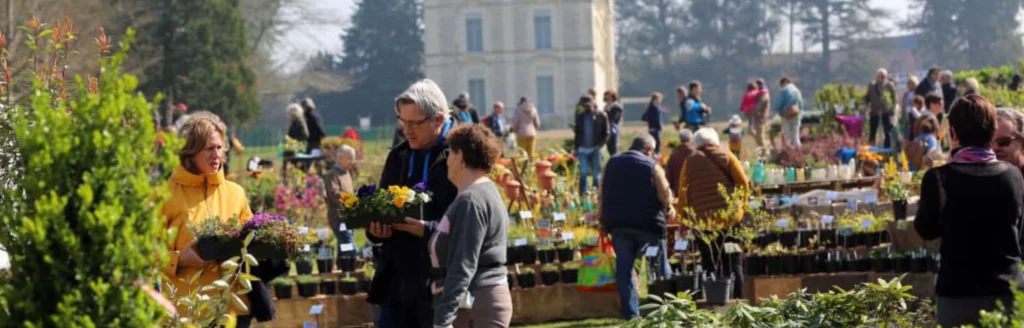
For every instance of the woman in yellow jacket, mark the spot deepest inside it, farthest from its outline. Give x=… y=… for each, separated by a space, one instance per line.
x=199 y=191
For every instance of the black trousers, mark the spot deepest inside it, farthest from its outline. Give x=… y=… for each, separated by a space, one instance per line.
x=613 y=144
x=886 y=125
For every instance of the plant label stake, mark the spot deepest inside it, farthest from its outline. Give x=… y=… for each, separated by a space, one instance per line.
x=652 y=251
x=681 y=245
x=520 y=242
x=303 y=230
x=827 y=219
x=559 y=217
x=305 y=248
x=347 y=247
x=525 y=215
x=342 y=227
x=567 y=236
x=782 y=223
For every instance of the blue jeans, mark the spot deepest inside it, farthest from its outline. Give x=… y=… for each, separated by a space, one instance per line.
x=590 y=165
x=628 y=246
x=656 y=134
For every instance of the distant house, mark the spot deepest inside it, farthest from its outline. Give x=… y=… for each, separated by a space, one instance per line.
x=500 y=50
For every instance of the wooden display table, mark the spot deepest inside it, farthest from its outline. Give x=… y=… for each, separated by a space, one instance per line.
x=532 y=305
x=756 y=288
x=805 y=186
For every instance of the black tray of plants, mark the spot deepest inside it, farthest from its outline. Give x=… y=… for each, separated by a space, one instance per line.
x=363 y=220
x=213 y=248
x=325 y=265
x=528 y=254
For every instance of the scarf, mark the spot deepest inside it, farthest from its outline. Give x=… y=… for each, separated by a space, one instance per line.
x=971 y=155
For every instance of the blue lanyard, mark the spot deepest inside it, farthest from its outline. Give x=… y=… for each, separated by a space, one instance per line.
x=426 y=159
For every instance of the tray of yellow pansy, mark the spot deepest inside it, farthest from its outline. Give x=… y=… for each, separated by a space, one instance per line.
x=385 y=205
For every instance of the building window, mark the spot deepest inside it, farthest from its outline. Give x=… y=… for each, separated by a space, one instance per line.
x=545 y=94
x=477 y=92
x=474 y=32
x=542 y=29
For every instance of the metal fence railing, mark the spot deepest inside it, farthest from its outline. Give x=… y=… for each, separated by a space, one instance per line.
x=265 y=136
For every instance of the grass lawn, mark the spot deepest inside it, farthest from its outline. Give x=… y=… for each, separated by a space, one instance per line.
x=589 y=323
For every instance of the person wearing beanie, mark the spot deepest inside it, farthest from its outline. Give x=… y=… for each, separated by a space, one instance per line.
x=735 y=133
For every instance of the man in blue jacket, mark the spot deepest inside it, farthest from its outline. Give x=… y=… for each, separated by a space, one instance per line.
x=789 y=97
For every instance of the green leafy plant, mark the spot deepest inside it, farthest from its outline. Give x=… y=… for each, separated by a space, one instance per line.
x=349 y=279
x=80 y=189
x=282 y=281
x=307 y=279
x=549 y=268
x=570 y=265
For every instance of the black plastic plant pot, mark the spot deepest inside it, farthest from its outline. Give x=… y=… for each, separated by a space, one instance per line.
x=919 y=265
x=774 y=264
x=899 y=210
x=788 y=239
x=686 y=284
x=805 y=237
x=308 y=290
x=871 y=239
x=899 y=265
x=569 y=276
x=528 y=254
x=328 y=287
x=862 y=265
x=833 y=266
x=718 y=292
x=325 y=265
x=512 y=254
x=661 y=287
x=348 y=287
x=790 y=264
x=303 y=267
x=883 y=236
x=827 y=238
x=546 y=256
x=347 y=263
x=526 y=280
x=549 y=278
x=880 y=265
x=365 y=285
x=809 y=263
x=676 y=267
x=283 y=292
x=754 y=265
x=566 y=255
x=933 y=264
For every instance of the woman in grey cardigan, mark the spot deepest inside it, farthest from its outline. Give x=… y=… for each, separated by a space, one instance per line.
x=467 y=251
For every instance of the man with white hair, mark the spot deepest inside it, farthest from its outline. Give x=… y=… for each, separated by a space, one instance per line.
x=881 y=100
x=708 y=167
x=949 y=92
x=401 y=280
x=337 y=181
x=635 y=203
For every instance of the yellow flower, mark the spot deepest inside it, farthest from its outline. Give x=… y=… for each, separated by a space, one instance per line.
x=399 y=202
x=349 y=199
x=394 y=190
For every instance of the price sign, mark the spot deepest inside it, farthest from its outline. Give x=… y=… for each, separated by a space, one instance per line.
x=316 y=309
x=347 y=247
x=520 y=242
x=652 y=251
x=525 y=215
x=559 y=217
x=310 y=324
x=567 y=236
x=681 y=245
x=342 y=227
x=782 y=223
x=303 y=230
x=827 y=219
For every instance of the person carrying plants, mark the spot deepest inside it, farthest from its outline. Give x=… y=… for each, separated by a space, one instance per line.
x=337 y=181
x=198 y=191
x=708 y=168
x=400 y=284
x=635 y=203
x=975 y=204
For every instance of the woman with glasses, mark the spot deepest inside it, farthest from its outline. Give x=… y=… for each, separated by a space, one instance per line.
x=976 y=205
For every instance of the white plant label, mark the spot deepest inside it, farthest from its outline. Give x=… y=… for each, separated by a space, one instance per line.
x=652 y=251
x=520 y=242
x=782 y=223
x=559 y=216
x=525 y=215
x=567 y=236
x=303 y=230
x=681 y=245
x=347 y=247
x=342 y=227
x=866 y=224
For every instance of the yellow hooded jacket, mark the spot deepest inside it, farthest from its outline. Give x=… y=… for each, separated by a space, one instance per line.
x=195 y=198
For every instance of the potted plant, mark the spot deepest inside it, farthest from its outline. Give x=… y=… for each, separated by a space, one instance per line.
x=566 y=252
x=282 y=287
x=304 y=264
x=526 y=278
x=919 y=262
x=879 y=261
x=325 y=264
x=349 y=285
x=328 y=285
x=546 y=254
x=570 y=273
x=347 y=262
x=896 y=188
x=714 y=230
x=307 y=285
x=549 y=275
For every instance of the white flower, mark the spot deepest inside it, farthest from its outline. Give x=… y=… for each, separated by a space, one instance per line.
x=424 y=198
x=410 y=194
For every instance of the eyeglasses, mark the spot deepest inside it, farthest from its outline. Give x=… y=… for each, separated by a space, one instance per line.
x=414 y=123
x=1004 y=141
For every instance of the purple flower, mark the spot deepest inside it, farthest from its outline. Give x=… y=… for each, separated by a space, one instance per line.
x=366 y=190
x=422 y=186
x=260 y=220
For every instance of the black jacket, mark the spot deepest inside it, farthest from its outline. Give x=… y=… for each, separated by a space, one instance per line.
x=403 y=271
x=316 y=129
x=949 y=94
x=600 y=124
x=926 y=87
x=615 y=114
x=297 y=130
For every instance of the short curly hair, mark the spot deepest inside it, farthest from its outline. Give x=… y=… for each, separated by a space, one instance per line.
x=478 y=145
